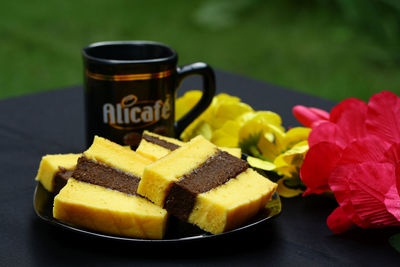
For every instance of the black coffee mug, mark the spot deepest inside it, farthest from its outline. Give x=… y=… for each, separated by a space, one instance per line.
x=130 y=86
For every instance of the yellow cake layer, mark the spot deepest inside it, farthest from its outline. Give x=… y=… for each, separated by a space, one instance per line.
x=151 y=151
x=234 y=151
x=165 y=138
x=158 y=177
x=50 y=165
x=155 y=152
x=117 y=156
x=108 y=211
x=231 y=204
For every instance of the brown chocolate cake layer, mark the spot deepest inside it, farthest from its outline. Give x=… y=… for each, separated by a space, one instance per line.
x=216 y=171
x=97 y=173
x=61 y=179
x=157 y=141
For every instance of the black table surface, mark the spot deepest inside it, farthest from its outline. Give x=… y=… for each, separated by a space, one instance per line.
x=52 y=122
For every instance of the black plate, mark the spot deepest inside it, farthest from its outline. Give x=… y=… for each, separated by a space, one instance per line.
x=176 y=230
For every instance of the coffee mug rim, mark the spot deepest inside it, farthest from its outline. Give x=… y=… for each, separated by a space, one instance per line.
x=85 y=54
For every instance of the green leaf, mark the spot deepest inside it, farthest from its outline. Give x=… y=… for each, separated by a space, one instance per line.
x=394 y=241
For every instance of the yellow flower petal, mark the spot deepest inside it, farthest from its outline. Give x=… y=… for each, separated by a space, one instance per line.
x=280 y=161
x=268 y=148
x=201 y=128
x=285 y=191
x=217 y=123
x=251 y=127
x=231 y=111
x=269 y=117
x=298 y=150
x=227 y=135
x=222 y=139
x=262 y=122
x=245 y=117
x=260 y=164
x=278 y=133
x=282 y=167
x=227 y=98
x=290 y=161
x=186 y=102
x=295 y=135
x=270 y=142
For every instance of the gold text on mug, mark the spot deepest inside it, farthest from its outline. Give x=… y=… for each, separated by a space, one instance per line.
x=130 y=113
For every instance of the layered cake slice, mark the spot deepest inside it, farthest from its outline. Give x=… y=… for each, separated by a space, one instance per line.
x=154 y=146
x=102 y=194
x=54 y=170
x=205 y=186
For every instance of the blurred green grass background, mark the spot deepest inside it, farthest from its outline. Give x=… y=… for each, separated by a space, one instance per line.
x=333 y=49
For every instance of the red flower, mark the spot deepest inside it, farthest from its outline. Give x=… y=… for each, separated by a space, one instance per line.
x=355 y=153
x=310 y=117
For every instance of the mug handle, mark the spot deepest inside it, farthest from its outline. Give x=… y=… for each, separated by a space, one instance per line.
x=206 y=72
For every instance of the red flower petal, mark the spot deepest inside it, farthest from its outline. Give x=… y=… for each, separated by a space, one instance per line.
x=348 y=105
x=349 y=115
x=340 y=187
x=320 y=113
x=309 y=117
x=398 y=177
x=392 y=153
x=367 y=149
x=327 y=132
x=360 y=190
x=383 y=116
x=338 y=221
x=318 y=163
x=392 y=202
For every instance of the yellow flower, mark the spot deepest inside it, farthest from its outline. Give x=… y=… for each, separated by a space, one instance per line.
x=285 y=191
x=261 y=134
x=289 y=162
x=185 y=103
x=218 y=123
x=285 y=153
x=228 y=122
x=263 y=137
x=226 y=136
